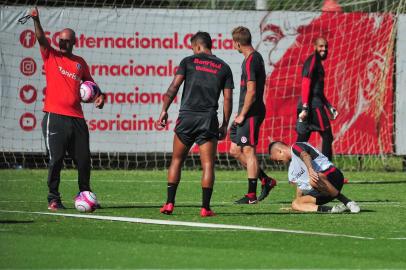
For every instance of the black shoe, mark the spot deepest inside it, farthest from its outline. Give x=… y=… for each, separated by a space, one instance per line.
x=267 y=185
x=55 y=205
x=98 y=206
x=247 y=199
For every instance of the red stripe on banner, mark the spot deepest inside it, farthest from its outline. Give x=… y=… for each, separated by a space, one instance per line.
x=320 y=119
x=330 y=170
x=252 y=130
x=248 y=66
x=297 y=148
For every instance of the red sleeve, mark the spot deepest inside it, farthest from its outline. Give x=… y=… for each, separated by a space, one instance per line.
x=307 y=71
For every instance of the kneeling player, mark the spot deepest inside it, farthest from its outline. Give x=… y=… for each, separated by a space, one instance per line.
x=318 y=181
x=205 y=76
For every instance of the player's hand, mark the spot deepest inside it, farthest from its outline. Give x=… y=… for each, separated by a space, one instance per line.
x=99 y=102
x=163 y=119
x=239 y=119
x=222 y=132
x=333 y=113
x=34 y=13
x=303 y=115
x=314 y=177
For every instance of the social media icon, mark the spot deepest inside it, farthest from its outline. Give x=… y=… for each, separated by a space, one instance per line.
x=27 y=38
x=28 y=121
x=28 y=66
x=28 y=94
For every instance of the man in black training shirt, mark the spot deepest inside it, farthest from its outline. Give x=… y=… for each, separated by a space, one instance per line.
x=205 y=77
x=312 y=115
x=251 y=113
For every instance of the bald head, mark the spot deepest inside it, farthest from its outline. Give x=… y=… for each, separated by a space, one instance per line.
x=279 y=151
x=321 y=47
x=67 y=39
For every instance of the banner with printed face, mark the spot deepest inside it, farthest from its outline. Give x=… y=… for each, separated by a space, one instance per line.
x=133 y=55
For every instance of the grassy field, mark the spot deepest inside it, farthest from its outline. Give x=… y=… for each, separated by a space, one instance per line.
x=35 y=241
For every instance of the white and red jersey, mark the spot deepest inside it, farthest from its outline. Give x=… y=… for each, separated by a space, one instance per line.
x=63 y=76
x=298 y=173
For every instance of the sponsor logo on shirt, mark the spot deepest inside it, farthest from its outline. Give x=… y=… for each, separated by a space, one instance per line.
x=68 y=74
x=300 y=173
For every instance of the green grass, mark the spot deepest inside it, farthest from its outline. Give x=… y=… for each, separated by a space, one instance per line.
x=48 y=242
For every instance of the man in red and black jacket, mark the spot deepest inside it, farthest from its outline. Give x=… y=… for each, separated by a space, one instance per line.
x=314 y=108
x=64 y=126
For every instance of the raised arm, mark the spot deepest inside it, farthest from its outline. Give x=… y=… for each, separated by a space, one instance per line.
x=39 y=32
x=169 y=97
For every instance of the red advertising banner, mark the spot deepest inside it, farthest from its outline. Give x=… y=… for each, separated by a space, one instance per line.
x=358 y=81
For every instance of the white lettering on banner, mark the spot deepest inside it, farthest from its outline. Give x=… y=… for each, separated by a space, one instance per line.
x=137 y=41
x=132 y=69
x=68 y=74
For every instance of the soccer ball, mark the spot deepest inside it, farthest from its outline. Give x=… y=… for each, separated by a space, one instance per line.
x=89 y=91
x=86 y=201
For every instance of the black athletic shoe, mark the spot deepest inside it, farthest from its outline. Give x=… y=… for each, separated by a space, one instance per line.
x=267 y=185
x=247 y=199
x=55 y=205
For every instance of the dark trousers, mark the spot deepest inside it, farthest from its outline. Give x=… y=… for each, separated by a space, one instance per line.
x=66 y=134
x=327 y=137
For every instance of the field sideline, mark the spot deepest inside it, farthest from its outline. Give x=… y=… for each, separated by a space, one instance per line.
x=132 y=198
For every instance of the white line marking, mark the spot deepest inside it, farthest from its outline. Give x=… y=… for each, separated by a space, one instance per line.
x=188 y=224
x=398 y=238
x=159 y=181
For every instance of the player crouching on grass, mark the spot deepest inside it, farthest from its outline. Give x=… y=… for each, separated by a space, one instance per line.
x=318 y=181
x=205 y=76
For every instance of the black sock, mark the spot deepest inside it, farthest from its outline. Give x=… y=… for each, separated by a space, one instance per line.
x=324 y=208
x=172 y=187
x=206 y=197
x=252 y=185
x=343 y=199
x=261 y=174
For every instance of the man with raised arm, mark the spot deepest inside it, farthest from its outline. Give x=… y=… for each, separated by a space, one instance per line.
x=64 y=127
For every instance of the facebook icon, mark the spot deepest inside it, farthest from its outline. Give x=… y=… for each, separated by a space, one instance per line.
x=27 y=39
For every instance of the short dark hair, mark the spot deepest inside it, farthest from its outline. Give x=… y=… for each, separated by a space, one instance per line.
x=202 y=38
x=272 y=144
x=242 y=35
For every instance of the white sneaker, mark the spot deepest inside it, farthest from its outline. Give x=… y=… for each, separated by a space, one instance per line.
x=339 y=208
x=353 y=207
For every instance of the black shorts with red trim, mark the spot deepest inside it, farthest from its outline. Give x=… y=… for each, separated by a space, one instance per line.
x=336 y=178
x=197 y=127
x=248 y=132
x=317 y=119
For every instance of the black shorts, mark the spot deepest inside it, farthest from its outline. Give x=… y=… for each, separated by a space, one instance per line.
x=193 y=127
x=317 y=119
x=248 y=132
x=336 y=178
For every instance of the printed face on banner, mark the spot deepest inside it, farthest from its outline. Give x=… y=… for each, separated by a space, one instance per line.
x=356 y=82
